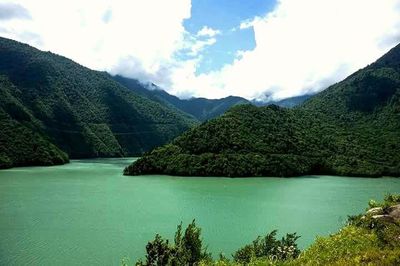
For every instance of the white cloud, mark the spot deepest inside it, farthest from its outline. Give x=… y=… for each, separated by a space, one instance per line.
x=301 y=46
x=304 y=46
x=248 y=23
x=136 y=38
x=206 y=31
x=198 y=45
x=10 y=11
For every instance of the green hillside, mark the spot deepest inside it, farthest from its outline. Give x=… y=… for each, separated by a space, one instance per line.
x=351 y=128
x=20 y=142
x=201 y=109
x=85 y=113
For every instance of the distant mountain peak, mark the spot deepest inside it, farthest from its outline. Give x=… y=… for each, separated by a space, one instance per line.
x=200 y=108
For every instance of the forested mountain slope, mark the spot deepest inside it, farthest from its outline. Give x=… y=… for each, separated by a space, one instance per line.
x=351 y=128
x=200 y=108
x=84 y=113
x=154 y=93
x=19 y=143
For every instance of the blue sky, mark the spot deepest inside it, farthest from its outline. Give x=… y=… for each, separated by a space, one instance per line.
x=255 y=49
x=225 y=15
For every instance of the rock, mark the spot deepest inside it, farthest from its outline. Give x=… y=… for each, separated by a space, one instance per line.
x=375 y=211
x=394 y=212
x=384 y=217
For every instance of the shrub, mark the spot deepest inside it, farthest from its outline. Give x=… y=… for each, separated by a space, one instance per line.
x=187 y=249
x=269 y=247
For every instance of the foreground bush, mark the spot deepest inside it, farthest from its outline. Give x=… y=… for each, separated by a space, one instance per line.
x=372 y=238
x=369 y=239
x=187 y=248
x=269 y=248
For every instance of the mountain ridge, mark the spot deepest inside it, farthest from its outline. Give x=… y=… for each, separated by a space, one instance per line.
x=351 y=128
x=200 y=108
x=82 y=112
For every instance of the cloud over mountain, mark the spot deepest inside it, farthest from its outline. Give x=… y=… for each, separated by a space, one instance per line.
x=304 y=46
x=300 y=46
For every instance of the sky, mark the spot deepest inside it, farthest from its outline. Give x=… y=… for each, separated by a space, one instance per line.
x=257 y=49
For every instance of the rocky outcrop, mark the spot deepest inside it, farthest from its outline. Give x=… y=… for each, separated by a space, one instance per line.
x=375 y=211
x=394 y=211
x=384 y=218
x=390 y=214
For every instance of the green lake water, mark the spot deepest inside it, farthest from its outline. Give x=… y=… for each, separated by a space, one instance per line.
x=88 y=213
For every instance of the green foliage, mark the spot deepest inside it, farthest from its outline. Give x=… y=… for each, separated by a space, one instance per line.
x=351 y=128
x=373 y=204
x=269 y=247
x=187 y=249
x=344 y=245
x=20 y=145
x=353 y=245
x=158 y=252
x=82 y=112
x=363 y=241
x=385 y=228
x=389 y=200
x=244 y=255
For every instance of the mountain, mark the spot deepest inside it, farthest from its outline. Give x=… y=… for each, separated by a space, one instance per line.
x=51 y=107
x=20 y=144
x=205 y=109
x=287 y=102
x=153 y=93
x=352 y=128
x=200 y=108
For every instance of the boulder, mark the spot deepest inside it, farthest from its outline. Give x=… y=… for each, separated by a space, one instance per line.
x=394 y=212
x=375 y=211
x=384 y=217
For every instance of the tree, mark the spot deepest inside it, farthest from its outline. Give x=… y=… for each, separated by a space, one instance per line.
x=158 y=252
x=187 y=249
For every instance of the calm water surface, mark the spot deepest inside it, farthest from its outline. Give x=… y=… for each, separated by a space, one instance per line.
x=88 y=213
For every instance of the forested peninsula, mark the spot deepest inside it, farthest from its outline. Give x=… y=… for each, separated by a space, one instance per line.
x=351 y=128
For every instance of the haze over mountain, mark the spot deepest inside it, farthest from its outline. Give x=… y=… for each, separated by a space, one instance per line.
x=351 y=128
x=200 y=108
x=51 y=106
x=288 y=102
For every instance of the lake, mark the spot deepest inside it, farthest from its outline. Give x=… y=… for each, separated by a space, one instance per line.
x=88 y=213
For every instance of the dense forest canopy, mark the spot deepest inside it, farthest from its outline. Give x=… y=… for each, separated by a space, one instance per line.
x=351 y=128
x=51 y=107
